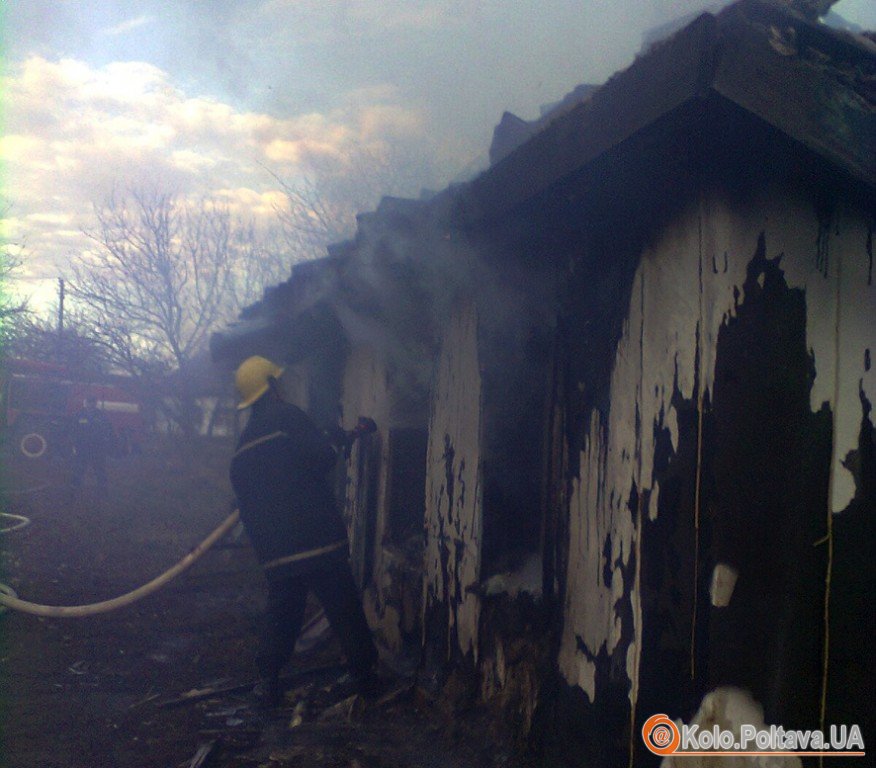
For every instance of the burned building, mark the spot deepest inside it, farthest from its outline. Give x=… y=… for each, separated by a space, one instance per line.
x=623 y=385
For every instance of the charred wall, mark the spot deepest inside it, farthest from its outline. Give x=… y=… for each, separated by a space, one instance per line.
x=384 y=492
x=512 y=467
x=365 y=393
x=711 y=407
x=698 y=395
x=515 y=348
x=453 y=529
x=769 y=479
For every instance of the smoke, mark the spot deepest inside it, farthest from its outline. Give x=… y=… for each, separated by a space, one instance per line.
x=101 y=95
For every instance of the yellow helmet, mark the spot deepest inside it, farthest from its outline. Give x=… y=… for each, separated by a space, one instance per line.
x=251 y=379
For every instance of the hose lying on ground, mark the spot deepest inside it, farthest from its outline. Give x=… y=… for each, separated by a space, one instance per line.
x=8 y=591
x=21 y=522
x=76 y=611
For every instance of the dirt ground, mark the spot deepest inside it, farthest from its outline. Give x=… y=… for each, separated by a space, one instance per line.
x=99 y=692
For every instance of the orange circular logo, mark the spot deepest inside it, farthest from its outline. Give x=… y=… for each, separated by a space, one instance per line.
x=661 y=735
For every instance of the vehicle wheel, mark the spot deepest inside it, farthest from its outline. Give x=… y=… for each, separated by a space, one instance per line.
x=33 y=444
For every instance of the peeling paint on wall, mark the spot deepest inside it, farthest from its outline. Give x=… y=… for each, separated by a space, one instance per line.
x=687 y=285
x=840 y=305
x=365 y=392
x=453 y=487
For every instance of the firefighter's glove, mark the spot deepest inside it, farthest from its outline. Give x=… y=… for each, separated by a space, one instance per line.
x=365 y=426
x=337 y=437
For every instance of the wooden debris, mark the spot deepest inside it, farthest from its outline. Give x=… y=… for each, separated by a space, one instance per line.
x=198 y=694
x=145 y=700
x=294 y=695
x=298 y=715
x=349 y=709
x=202 y=755
x=395 y=695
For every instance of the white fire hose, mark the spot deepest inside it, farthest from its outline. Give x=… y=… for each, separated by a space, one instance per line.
x=20 y=521
x=8 y=599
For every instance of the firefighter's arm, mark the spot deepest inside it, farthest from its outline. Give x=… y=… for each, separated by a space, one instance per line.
x=343 y=440
x=315 y=447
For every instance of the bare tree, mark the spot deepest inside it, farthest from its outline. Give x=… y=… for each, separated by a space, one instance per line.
x=12 y=310
x=37 y=337
x=164 y=275
x=322 y=203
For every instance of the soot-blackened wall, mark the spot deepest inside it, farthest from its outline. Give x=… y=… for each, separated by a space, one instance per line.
x=735 y=397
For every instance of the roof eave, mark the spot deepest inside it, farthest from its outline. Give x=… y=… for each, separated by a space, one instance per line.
x=721 y=55
x=671 y=75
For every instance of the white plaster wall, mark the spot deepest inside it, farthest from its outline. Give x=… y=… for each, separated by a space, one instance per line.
x=659 y=336
x=840 y=305
x=683 y=292
x=364 y=393
x=454 y=518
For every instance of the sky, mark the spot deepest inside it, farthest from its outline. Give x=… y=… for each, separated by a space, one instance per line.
x=219 y=97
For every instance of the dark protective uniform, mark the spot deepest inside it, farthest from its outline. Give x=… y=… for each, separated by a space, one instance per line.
x=92 y=438
x=280 y=475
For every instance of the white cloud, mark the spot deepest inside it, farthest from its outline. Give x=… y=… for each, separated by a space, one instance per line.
x=17 y=148
x=74 y=133
x=243 y=201
x=389 y=120
x=192 y=161
x=307 y=148
x=126 y=26
x=49 y=218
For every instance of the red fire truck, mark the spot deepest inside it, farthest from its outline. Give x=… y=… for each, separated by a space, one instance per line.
x=39 y=400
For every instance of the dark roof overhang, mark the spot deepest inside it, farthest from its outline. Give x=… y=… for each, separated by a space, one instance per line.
x=811 y=83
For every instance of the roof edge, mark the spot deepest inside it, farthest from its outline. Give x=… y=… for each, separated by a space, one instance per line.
x=726 y=54
x=672 y=73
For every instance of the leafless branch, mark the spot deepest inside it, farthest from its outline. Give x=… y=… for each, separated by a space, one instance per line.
x=164 y=273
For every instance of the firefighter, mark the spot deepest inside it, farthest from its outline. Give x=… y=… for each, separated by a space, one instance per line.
x=92 y=439
x=280 y=475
